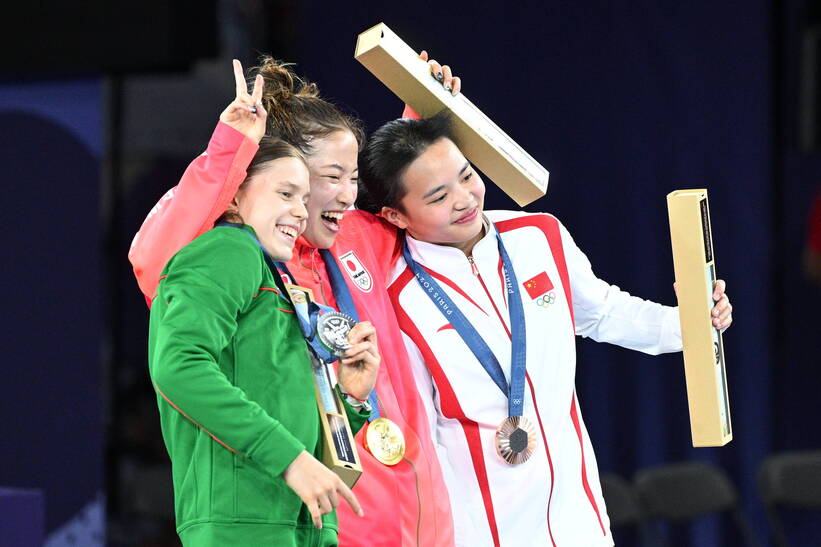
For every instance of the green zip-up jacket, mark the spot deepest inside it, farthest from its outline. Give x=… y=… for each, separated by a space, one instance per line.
x=236 y=396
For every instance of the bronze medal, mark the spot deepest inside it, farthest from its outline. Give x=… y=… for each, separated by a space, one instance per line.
x=385 y=441
x=333 y=329
x=515 y=440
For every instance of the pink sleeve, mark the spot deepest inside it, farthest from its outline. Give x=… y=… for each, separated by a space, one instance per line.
x=410 y=113
x=191 y=207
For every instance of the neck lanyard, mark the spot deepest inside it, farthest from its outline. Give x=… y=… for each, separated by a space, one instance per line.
x=344 y=300
x=515 y=390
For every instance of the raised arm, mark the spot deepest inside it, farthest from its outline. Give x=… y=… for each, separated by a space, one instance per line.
x=444 y=74
x=206 y=187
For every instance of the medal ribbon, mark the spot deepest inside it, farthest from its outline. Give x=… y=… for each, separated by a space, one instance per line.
x=306 y=312
x=515 y=391
x=344 y=300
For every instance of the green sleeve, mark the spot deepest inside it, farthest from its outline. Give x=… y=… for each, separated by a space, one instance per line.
x=356 y=418
x=207 y=285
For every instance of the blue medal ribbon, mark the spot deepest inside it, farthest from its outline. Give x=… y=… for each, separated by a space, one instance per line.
x=344 y=300
x=515 y=390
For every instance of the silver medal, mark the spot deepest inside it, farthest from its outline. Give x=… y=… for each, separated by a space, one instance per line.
x=333 y=328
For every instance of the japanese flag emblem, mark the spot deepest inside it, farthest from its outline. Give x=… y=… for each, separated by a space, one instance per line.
x=540 y=289
x=356 y=271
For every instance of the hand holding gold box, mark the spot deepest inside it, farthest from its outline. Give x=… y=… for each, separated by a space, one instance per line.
x=480 y=140
x=704 y=367
x=338 y=447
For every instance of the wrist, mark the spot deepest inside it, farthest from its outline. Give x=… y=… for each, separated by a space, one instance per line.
x=295 y=462
x=353 y=400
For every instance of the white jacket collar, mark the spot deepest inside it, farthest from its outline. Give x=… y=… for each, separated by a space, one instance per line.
x=434 y=255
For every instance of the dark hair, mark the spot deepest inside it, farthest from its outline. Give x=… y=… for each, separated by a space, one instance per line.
x=388 y=154
x=296 y=112
x=270 y=149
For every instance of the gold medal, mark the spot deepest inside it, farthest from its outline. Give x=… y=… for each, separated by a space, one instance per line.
x=384 y=440
x=515 y=440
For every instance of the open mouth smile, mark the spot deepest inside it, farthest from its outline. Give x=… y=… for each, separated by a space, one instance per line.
x=330 y=219
x=290 y=232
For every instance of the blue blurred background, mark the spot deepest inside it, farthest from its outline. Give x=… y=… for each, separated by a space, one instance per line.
x=102 y=106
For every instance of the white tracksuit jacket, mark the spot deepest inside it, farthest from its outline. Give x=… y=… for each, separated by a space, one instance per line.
x=555 y=497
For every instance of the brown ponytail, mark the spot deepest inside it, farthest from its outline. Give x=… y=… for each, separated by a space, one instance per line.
x=296 y=112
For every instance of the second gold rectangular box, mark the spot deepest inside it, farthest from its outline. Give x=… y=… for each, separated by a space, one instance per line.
x=704 y=367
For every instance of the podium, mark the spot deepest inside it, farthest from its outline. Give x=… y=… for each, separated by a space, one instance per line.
x=22 y=517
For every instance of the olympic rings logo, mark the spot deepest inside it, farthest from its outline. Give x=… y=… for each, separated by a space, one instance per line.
x=546 y=299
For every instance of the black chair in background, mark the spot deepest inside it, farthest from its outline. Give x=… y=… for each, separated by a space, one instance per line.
x=622 y=503
x=682 y=492
x=626 y=518
x=789 y=480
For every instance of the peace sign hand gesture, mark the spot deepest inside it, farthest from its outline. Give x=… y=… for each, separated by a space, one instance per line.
x=245 y=113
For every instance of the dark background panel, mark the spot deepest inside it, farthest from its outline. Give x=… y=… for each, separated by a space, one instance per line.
x=68 y=38
x=52 y=420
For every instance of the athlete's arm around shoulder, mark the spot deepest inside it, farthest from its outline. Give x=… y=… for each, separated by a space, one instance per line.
x=191 y=207
x=373 y=236
x=205 y=190
x=601 y=311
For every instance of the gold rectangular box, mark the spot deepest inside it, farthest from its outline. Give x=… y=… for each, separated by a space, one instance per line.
x=338 y=446
x=704 y=367
x=482 y=142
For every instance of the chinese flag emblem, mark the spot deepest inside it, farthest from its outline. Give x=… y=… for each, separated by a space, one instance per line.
x=538 y=285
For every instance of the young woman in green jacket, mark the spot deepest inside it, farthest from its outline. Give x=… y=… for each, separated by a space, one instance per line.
x=231 y=370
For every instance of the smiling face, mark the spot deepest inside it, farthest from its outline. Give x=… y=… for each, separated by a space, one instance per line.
x=444 y=198
x=334 y=177
x=272 y=202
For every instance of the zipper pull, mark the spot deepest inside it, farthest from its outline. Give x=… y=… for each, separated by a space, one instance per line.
x=473 y=265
